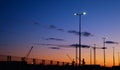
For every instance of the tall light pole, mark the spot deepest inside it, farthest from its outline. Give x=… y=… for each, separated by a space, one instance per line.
x=104 y=49
x=113 y=56
x=94 y=54
x=90 y=56
x=76 y=14
x=112 y=42
x=76 y=54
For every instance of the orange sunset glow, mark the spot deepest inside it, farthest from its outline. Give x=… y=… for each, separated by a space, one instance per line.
x=56 y=28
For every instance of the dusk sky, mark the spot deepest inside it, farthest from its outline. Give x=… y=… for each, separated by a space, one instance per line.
x=26 y=22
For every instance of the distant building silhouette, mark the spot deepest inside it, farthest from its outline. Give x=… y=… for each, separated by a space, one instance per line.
x=8 y=58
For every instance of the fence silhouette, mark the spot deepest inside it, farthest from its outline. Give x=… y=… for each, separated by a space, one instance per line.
x=32 y=60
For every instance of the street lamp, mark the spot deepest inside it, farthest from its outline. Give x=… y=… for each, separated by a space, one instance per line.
x=79 y=15
x=83 y=13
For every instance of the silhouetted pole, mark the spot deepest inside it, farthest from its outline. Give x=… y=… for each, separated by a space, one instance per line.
x=113 y=57
x=83 y=13
x=90 y=56
x=111 y=42
x=76 y=54
x=79 y=40
x=104 y=50
x=94 y=48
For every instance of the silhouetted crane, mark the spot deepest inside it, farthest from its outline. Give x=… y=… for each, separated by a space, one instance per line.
x=29 y=52
x=73 y=62
x=66 y=46
x=69 y=57
x=26 y=57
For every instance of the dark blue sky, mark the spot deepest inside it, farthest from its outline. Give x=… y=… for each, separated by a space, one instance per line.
x=24 y=22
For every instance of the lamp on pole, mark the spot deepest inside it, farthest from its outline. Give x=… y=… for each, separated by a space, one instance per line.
x=79 y=15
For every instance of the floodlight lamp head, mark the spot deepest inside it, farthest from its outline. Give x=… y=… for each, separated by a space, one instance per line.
x=76 y=14
x=84 y=13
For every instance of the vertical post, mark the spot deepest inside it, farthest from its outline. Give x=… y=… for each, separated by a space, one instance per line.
x=23 y=59
x=104 y=50
x=94 y=54
x=58 y=63
x=63 y=63
x=43 y=62
x=51 y=62
x=90 y=56
x=34 y=61
x=76 y=54
x=79 y=39
x=113 y=57
x=7 y=58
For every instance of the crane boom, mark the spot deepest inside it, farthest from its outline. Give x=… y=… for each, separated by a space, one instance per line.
x=29 y=52
x=69 y=57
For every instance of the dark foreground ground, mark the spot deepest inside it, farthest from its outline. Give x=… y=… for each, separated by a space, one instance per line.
x=14 y=65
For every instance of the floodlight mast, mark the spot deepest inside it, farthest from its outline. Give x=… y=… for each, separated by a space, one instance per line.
x=104 y=49
x=79 y=15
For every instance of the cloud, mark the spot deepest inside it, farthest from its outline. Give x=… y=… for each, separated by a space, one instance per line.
x=49 y=27
x=73 y=32
x=63 y=46
x=60 y=30
x=57 y=48
x=35 y=23
x=52 y=27
x=82 y=46
x=56 y=39
x=111 y=42
x=87 y=34
x=42 y=44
